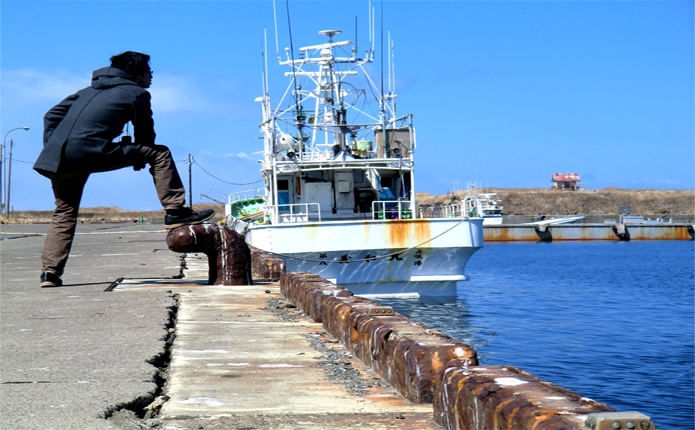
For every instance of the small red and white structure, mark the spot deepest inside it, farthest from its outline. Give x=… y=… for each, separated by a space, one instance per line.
x=566 y=181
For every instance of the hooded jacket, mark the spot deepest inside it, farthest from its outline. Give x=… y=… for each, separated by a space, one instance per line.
x=79 y=131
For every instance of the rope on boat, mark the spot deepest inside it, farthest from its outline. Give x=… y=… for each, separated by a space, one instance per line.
x=370 y=258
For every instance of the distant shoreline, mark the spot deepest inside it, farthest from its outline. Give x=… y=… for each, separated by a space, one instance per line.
x=516 y=201
x=526 y=201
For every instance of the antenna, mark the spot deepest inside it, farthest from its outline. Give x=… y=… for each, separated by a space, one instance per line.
x=265 y=68
x=381 y=56
x=382 y=109
x=393 y=78
x=277 y=44
x=299 y=118
x=372 y=20
x=389 y=60
x=354 y=48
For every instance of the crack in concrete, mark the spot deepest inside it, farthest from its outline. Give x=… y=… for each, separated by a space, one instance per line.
x=22 y=236
x=139 y=412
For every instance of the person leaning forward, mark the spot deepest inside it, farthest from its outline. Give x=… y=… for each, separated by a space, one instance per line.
x=78 y=140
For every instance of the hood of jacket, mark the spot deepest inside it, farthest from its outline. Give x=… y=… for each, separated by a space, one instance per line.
x=109 y=77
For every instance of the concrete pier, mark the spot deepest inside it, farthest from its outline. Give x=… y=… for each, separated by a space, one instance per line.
x=137 y=339
x=73 y=355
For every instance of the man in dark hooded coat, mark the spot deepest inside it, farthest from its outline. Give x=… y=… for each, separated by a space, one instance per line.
x=78 y=140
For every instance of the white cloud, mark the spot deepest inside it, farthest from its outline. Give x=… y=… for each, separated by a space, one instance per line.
x=177 y=94
x=23 y=88
x=242 y=155
x=27 y=86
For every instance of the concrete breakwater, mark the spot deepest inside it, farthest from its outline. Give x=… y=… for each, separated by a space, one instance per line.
x=587 y=231
x=426 y=366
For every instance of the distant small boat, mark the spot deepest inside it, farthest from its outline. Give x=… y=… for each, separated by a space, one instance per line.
x=489 y=208
x=557 y=221
x=637 y=219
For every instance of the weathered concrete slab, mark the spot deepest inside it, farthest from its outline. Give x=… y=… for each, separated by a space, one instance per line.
x=70 y=354
x=233 y=357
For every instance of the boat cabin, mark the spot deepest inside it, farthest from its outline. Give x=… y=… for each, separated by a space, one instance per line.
x=357 y=180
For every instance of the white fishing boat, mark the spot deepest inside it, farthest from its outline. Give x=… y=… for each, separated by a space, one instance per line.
x=484 y=205
x=489 y=208
x=339 y=174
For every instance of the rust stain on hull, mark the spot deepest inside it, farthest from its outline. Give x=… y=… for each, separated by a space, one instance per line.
x=407 y=233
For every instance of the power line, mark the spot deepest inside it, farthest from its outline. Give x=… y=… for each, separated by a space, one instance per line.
x=222 y=180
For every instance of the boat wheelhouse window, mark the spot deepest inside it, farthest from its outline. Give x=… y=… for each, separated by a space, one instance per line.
x=283 y=191
x=363 y=199
x=386 y=191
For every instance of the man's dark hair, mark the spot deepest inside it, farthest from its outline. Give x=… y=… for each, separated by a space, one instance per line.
x=133 y=63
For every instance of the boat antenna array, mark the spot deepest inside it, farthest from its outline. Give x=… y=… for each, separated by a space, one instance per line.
x=384 y=91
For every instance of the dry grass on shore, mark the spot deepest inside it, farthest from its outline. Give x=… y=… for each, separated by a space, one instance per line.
x=516 y=201
x=527 y=201
x=102 y=214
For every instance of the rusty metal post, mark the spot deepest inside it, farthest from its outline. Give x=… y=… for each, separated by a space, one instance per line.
x=229 y=257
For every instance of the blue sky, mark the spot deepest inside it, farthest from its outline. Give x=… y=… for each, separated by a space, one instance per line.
x=503 y=93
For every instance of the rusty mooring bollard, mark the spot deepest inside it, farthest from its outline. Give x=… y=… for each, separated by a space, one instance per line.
x=229 y=258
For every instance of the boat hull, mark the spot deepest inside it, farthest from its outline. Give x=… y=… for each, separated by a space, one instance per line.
x=420 y=256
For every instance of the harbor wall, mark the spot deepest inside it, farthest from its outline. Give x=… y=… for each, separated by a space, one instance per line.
x=587 y=231
x=599 y=219
x=426 y=366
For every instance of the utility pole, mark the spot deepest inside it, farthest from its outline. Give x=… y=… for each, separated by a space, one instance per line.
x=9 y=180
x=2 y=194
x=2 y=161
x=190 y=182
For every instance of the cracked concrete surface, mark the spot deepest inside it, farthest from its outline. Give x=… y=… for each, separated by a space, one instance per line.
x=71 y=354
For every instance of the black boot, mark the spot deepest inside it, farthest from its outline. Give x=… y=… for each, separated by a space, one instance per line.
x=185 y=216
x=50 y=280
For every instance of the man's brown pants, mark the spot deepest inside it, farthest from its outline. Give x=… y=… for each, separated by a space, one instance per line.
x=68 y=188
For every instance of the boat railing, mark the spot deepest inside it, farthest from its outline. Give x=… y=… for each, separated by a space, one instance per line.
x=472 y=207
x=245 y=195
x=468 y=208
x=392 y=209
x=298 y=212
x=443 y=211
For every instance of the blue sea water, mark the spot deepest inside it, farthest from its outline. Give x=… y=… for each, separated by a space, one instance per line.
x=612 y=321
